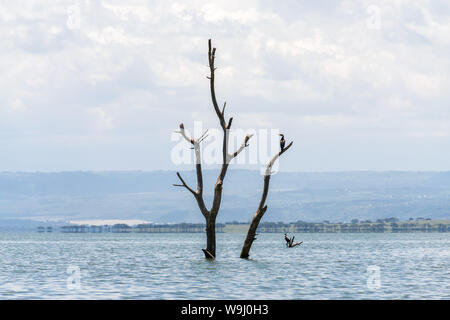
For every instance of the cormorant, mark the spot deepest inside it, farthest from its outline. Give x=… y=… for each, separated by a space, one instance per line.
x=282 y=142
x=287 y=239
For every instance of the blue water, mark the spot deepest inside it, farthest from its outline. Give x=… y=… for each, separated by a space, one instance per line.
x=171 y=266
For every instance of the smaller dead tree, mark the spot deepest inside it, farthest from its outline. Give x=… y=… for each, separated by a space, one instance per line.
x=290 y=241
x=262 y=207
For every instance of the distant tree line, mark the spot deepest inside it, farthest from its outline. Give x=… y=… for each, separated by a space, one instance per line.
x=381 y=225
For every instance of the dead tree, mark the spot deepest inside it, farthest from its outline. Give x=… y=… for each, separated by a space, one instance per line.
x=211 y=214
x=290 y=241
x=262 y=207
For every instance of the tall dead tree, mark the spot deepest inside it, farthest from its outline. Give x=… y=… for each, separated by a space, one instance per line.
x=211 y=214
x=262 y=207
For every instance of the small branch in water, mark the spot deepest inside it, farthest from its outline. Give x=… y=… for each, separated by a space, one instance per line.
x=208 y=254
x=290 y=241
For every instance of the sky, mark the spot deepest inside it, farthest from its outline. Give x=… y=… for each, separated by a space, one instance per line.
x=103 y=85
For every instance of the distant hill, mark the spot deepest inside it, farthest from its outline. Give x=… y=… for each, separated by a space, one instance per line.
x=150 y=196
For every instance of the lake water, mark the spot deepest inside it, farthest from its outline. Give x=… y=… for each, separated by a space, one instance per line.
x=172 y=266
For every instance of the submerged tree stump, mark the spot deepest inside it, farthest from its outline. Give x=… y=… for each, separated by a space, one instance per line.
x=208 y=255
x=290 y=241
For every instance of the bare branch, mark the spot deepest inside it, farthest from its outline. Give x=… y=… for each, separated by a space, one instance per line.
x=208 y=255
x=199 y=193
x=202 y=136
x=243 y=145
x=211 y=58
x=183 y=133
x=229 y=123
x=296 y=244
x=184 y=185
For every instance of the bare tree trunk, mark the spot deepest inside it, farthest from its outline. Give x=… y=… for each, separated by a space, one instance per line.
x=210 y=215
x=251 y=233
x=210 y=238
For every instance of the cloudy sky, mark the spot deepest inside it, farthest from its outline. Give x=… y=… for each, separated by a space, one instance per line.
x=97 y=85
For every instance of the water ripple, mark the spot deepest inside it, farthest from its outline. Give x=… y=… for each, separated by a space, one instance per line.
x=171 y=266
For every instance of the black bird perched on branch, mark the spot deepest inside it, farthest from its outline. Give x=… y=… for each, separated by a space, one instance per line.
x=288 y=240
x=282 y=142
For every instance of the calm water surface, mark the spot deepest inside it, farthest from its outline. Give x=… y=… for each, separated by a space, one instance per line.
x=171 y=266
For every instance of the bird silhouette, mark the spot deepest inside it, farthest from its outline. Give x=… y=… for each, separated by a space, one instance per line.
x=287 y=239
x=282 y=142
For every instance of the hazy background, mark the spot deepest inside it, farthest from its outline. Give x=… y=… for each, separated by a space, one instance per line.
x=150 y=196
x=100 y=85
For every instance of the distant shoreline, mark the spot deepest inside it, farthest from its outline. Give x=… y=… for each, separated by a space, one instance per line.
x=422 y=225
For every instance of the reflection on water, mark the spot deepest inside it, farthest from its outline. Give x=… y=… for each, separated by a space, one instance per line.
x=171 y=266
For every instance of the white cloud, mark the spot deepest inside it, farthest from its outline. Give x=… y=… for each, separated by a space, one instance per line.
x=138 y=69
